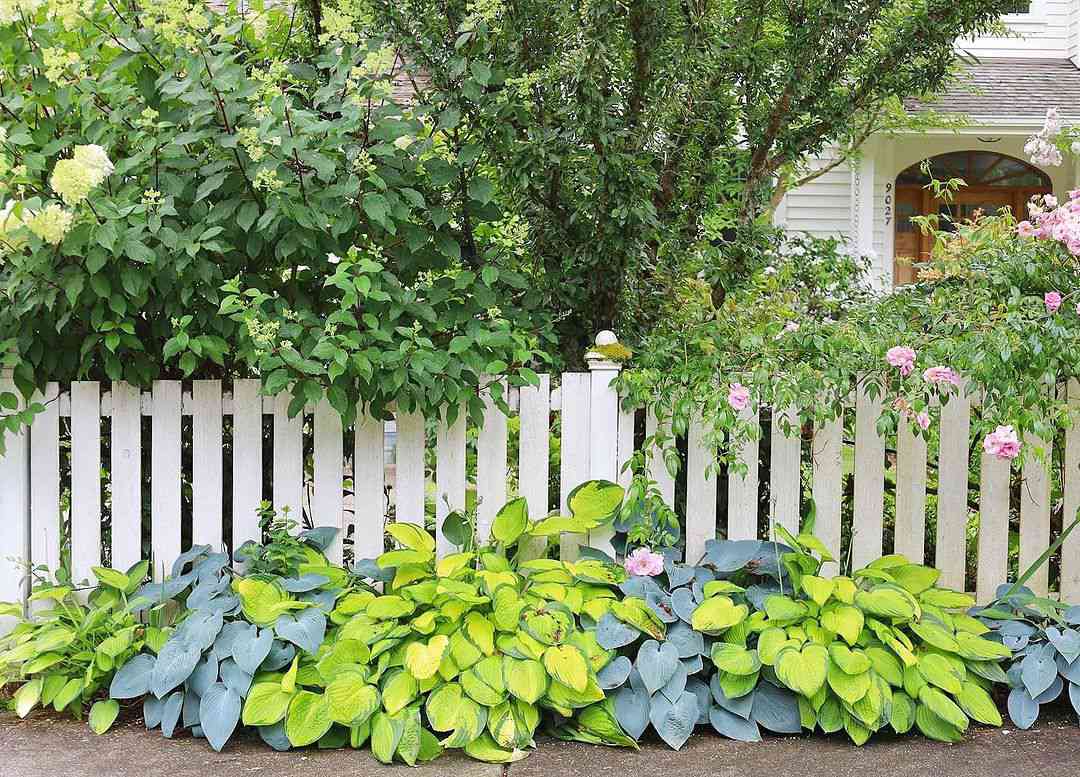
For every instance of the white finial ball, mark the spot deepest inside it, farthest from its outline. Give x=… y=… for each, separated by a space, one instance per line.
x=607 y=337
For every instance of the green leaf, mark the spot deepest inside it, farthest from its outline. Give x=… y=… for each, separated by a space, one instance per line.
x=511 y=521
x=567 y=665
x=717 y=614
x=735 y=659
x=803 y=671
x=103 y=714
x=308 y=718
x=266 y=704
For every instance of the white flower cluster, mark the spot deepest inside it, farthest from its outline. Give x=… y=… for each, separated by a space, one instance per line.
x=74 y=178
x=1040 y=147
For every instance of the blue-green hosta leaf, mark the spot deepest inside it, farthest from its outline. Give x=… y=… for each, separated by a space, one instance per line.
x=132 y=680
x=322 y=537
x=187 y=556
x=674 y=721
x=1051 y=693
x=251 y=647
x=674 y=687
x=226 y=638
x=657 y=663
x=306 y=629
x=704 y=698
x=151 y=711
x=1038 y=670
x=175 y=663
x=235 y=678
x=730 y=555
x=683 y=604
x=732 y=726
x=1071 y=615
x=632 y=710
x=612 y=633
x=1023 y=709
x=205 y=674
x=281 y=655
x=171 y=708
x=614 y=674
x=200 y=629
x=189 y=715
x=1074 y=697
x=776 y=709
x=692 y=665
x=304 y=583
x=275 y=736
x=1066 y=641
x=660 y=603
x=219 y=712
x=741 y=706
x=687 y=642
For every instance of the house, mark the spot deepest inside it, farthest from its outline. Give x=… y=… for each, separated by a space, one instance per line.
x=1005 y=96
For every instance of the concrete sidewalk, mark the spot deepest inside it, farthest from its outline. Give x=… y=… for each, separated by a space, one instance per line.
x=58 y=747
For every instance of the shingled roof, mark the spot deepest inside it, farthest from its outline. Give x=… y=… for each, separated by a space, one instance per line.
x=1010 y=88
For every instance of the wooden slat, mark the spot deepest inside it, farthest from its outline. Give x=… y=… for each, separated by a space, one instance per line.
x=328 y=495
x=657 y=469
x=604 y=438
x=742 y=508
x=15 y=509
x=449 y=475
x=247 y=453
x=126 y=472
x=165 y=475
x=85 y=479
x=828 y=487
x=993 y=526
x=409 y=484
x=785 y=474
x=369 y=497
x=490 y=465
x=869 y=502
x=1070 y=549
x=1035 y=512
x=952 y=491
x=534 y=440
x=700 y=492
x=627 y=420
x=910 y=533
x=574 y=448
x=45 y=481
x=288 y=459
x=206 y=468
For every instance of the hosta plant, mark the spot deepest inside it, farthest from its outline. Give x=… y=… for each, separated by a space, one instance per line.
x=72 y=643
x=474 y=649
x=234 y=632
x=1044 y=636
x=883 y=647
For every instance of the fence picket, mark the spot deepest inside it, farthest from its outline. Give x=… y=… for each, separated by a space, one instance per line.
x=165 y=475
x=658 y=470
x=449 y=475
x=45 y=483
x=785 y=475
x=126 y=474
x=574 y=448
x=700 y=492
x=410 y=483
x=247 y=457
x=1070 y=549
x=490 y=464
x=369 y=483
x=993 y=527
x=625 y=445
x=15 y=508
x=1035 y=512
x=828 y=487
x=85 y=479
x=327 y=499
x=288 y=458
x=743 y=489
x=534 y=409
x=910 y=534
x=869 y=503
x=206 y=474
x=951 y=548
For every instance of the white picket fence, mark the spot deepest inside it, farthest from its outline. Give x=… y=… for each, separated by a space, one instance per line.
x=596 y=438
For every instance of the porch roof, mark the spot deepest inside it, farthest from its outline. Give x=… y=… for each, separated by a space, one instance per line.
x=1010 y=88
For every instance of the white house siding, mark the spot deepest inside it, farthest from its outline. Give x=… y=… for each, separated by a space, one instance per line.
x=1044 y=33
x=823 y=207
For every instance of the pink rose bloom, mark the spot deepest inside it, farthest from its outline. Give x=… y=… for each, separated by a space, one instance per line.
x=1050 y=200
x=1003 y=443
x=923 y=420
x=941 y=375
x=643 y=561
x=738 y=397
x=1025 y=229
x=903 y=357
x=1052 y=300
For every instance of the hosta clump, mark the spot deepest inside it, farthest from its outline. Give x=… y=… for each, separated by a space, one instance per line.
x=234 y=634
x=666 y=630
x=474 y=649
x=884 y=647
x=70 y=646
x=1044 y=636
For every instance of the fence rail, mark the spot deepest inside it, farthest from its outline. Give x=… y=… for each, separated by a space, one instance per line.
x=595 y=436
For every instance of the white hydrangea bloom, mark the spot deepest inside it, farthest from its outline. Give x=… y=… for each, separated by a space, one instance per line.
x=51 y=224
x=96 y=160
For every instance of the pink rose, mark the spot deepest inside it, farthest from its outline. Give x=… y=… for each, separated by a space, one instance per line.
x=903 y=357
x=643 y=561
x=941 y=375
x=1003 y=443
x=1025 y=229
x=923 y=420
x=738 y=397
x=1052 y=300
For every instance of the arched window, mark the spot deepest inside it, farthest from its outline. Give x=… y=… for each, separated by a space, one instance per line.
x=993 y=182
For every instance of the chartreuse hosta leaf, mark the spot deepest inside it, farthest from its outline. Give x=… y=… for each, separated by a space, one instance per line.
x=412 y=537
x=423 y=659
x=264 y=600
x=803 y=670
x=511 y=521
x=717 y=614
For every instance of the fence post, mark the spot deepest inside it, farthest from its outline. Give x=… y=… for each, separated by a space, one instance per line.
x=603 y=424
x=15 y=507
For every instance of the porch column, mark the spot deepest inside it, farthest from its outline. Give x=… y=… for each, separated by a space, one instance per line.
x=862 y=210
